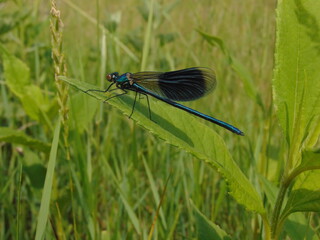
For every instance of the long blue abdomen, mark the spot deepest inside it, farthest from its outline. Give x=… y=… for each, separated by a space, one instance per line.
x=190 y=110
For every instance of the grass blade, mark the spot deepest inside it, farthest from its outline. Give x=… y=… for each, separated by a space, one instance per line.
x=46 y=195
x=147 y=37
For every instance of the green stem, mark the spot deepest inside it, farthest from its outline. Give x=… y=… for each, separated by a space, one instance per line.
x=267 y=235
x=277 y=208
x=277 y=224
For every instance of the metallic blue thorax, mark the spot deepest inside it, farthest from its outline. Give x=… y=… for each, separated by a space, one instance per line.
x=122 y=78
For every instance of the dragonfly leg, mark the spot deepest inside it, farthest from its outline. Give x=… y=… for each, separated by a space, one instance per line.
x=149 y=109
x=134 y=104
x=117 y=95
x=98 y=90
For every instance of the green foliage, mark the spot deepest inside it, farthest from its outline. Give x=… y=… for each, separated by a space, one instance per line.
x=46 y=196
x=18 y=137
x=208 y=230
x=296 y=82
x=305 y=195
x=237 y=66
x=79 y=104
x=298 y=227
x=296 y=89
x=35 y=103
x=186 y=132
x=112 y=184
x=36 y=173
x=9 y=21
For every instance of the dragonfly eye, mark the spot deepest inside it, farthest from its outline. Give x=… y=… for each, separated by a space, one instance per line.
x=109 y=77
x=112 y=77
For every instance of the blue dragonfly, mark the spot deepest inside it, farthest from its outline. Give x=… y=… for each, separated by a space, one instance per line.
x=181 y=85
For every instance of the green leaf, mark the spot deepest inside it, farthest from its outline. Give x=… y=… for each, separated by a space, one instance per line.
x=298 y=227
x=269 y=189
x=34 y=169
x=11 y=20
x=206 y=229
x=187 y=132
x=302 y=200
x=79 y=105
x=35 y=103
x=217 y=42
x=17 y=76
x=46 y=195
x=36 y=173
x=308 y=180
x=310 y=160
x=305 y=196
x=16 y=73
x=296 y=83
x=19 y=137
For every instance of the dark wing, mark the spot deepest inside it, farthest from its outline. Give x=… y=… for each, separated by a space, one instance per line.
x=182 y=85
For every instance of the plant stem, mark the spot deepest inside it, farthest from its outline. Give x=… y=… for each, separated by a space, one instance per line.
x=266 y=225
x=277 y=208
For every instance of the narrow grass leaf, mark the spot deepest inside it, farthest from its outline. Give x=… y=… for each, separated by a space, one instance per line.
x=133 y=217
x=46 y=195
x=147 y=37
x=221 y=198
x=187 y=132
x=18 y=137
x=216 y=42
x=81 y=191
x=237 y=66
x=84 y=14
x=269 y=189
x=247 y=81
x=155 y=218
x=172 y=227
x=154 y=191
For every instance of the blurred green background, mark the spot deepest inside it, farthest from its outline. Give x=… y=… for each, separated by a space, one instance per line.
x=111 y=186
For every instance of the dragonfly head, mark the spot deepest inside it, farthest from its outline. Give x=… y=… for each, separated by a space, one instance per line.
x=112 y=77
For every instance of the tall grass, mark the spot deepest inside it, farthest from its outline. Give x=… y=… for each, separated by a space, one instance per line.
x=113 y=184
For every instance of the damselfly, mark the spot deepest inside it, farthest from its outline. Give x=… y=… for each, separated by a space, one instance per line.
x=182 y=85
